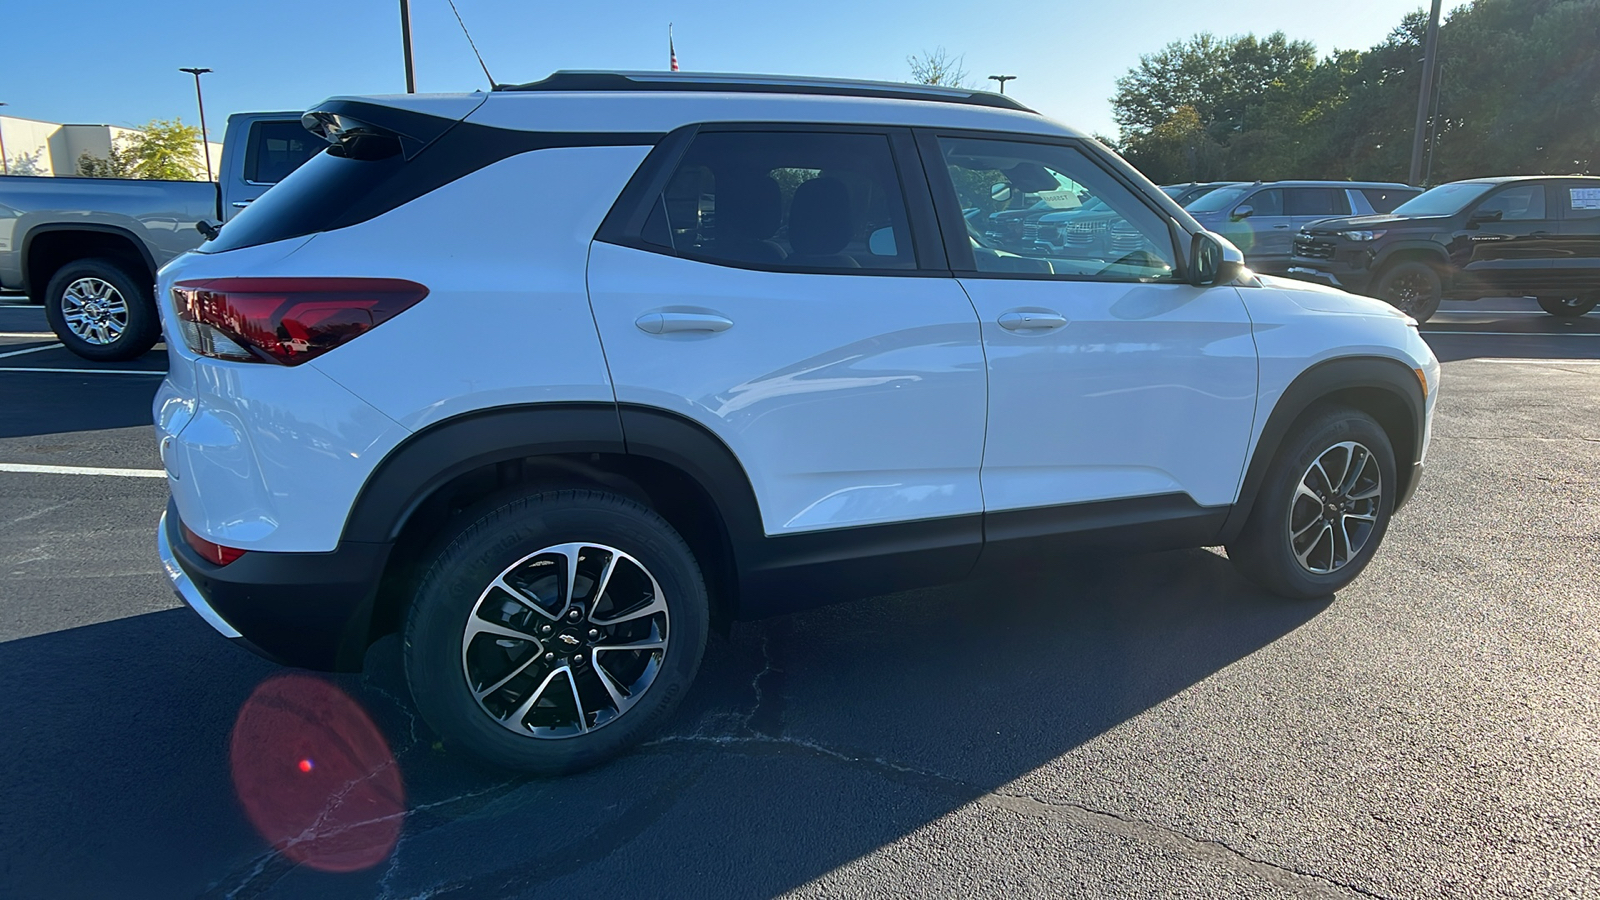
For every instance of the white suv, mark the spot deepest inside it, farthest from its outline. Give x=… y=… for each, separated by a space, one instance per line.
x=556 y=378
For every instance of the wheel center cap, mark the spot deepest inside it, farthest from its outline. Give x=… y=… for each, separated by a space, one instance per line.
x=568 y=640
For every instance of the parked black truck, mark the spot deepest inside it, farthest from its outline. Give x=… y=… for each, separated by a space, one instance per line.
x=1524 y=236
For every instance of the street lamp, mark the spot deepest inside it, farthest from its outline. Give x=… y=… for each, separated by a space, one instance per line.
x=5 y=164
x=205 y=146
x=1002 y=79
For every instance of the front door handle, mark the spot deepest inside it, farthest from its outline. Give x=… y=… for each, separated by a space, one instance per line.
x=1280 y=226
x=1031 y=320
x=241 y=204
x=682 y=323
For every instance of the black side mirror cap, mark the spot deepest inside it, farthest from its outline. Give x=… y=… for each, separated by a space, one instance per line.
x=206 y=228
x=1485 y=215
x=1213 y=260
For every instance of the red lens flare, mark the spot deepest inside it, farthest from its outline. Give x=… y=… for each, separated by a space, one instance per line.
x=315 y=776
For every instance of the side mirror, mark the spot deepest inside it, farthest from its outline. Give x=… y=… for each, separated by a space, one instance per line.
x=206 y=228
x=1213 y=260
x=1485 y=215
x=1000 y=193
x=1243 y=212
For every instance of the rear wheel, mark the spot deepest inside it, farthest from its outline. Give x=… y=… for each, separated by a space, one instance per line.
x=1323 y=508
x=556 y=631
x=1568 y=307
x=1411 y=286
x=101 y=311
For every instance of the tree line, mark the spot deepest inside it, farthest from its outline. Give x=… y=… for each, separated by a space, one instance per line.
x=1518 y=93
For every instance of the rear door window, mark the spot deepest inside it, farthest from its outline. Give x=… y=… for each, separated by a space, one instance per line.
x=786 y=200
x=277 y=148
x=1323 y=202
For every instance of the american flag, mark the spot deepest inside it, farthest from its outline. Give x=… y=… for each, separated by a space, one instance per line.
x=672 y=52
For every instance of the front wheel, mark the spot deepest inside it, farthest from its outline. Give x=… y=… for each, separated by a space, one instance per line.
x=556 y=630
x=101 y=311
x=1323 y=507
x=1413 y=287
x=1568 y=307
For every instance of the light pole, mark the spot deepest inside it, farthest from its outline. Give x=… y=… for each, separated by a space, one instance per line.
x=405 y=43
x=205 y=146
x=1002 y=79
x=1430 y=53
x=5 y=164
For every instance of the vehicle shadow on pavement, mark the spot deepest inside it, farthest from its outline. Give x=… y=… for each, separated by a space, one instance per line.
x=808 y=742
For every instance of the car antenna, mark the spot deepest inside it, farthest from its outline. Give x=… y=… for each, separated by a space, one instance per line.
x=474 y=46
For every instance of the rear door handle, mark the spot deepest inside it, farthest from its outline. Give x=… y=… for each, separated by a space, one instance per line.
x=1031 y=320
x=241 y=204
x=682 y=323
x=1280 y=226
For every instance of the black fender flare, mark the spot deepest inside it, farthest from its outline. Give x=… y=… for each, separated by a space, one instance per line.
x=1435 y=252
x=54 y=227
x=1390 y=378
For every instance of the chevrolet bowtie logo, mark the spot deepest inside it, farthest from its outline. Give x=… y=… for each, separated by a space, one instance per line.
x=568 y=639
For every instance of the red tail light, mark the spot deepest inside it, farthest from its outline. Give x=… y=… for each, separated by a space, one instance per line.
x=285 y=320
x=216 y=554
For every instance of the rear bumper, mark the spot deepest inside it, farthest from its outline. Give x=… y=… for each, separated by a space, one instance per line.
x=312 y=610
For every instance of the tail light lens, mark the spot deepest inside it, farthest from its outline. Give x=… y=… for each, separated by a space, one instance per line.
x=285 y=320
x=216 y=554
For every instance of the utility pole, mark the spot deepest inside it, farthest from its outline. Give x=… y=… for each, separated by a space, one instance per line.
x=405 y=42
x=1430 y=53
x=5 y=164
x=1002 y=79
x=205 y=144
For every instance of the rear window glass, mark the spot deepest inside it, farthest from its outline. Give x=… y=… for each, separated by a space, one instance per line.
x=1384 y=200
x=277 y=148
x=308 y=200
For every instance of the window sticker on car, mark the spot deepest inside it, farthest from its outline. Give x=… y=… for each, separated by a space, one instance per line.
x=1585 y=198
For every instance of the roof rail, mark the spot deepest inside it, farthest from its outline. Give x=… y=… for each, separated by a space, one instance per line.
x=583 y=81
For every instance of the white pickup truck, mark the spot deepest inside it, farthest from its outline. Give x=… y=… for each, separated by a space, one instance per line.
x=89 y=248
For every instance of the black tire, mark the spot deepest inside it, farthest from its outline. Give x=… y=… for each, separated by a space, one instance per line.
x=1568 y=307
x=138 y=328
x=1411 y=286
x=503 y=532
x=1266 y=553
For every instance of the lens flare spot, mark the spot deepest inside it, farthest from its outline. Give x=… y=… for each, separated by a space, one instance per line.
x=340 y=806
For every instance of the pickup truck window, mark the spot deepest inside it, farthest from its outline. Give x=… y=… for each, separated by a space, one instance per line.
x=277 y=148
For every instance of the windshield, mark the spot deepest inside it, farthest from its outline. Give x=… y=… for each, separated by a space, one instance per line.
x=1444 y=200
x=1219 y=199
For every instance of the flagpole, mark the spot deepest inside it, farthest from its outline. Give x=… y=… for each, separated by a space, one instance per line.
x=672 y=50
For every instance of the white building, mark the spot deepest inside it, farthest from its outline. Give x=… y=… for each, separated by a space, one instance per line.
x=31 y=147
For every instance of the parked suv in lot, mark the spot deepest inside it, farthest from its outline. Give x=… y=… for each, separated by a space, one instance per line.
x=1489 y=237
x=557 y=378
x=1261 y=219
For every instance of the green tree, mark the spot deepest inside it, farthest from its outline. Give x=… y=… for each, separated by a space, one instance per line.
x=163 y=150
x=937 y=66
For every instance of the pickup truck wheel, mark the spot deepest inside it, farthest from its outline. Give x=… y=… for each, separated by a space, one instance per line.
x=102 y=312
x=1413 y=287
x=556 y=630
x=1568 y=307
x=1323 y=507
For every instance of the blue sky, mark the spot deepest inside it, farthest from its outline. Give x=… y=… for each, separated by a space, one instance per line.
x=114 y=61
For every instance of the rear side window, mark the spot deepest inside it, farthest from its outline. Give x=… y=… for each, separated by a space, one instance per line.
x=311 y=200
x=1583 y=202
x=1317 y=202
x=1384 y=200
x=785 y=200
x=277 y=148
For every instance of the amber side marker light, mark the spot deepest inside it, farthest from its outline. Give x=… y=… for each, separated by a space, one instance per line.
x=1422 y=377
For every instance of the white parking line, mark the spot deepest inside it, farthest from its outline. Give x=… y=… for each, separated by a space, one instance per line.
x=81 y=371
x=30 y=468
x=29 y=350
x=27 y=334
x=1537 y=334
x=1512 y=361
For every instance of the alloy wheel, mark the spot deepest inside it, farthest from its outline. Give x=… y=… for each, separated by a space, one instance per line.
x=1335 y=507
x=1408 y=292
x=94 y=311
x=565 y=640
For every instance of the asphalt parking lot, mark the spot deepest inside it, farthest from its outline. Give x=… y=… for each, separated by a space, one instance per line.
x=1136 y=727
